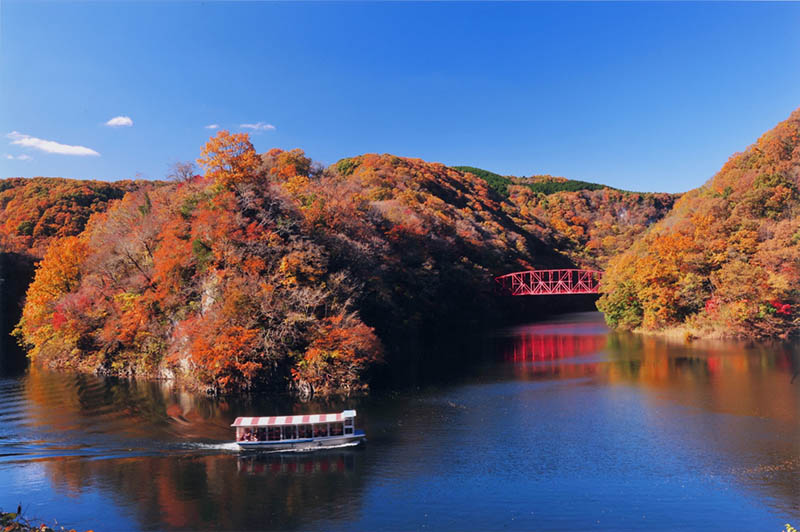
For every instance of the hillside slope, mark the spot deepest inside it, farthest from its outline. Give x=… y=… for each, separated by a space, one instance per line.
x=589 y=223
x=271 y=272
x=589 y=226
x=726 y=261
x=33 y=213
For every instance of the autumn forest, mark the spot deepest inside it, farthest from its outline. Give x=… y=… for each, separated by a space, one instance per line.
x=272 y=272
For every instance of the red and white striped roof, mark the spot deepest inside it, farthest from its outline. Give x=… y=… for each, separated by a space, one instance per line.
x=291 y=420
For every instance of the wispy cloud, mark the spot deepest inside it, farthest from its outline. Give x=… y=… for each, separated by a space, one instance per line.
x=49 y=146
x=120 y=121
x=212 y=126
x=258 y=126
x=22 y=157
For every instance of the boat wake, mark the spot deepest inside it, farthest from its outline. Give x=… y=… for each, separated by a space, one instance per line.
x=196 y=446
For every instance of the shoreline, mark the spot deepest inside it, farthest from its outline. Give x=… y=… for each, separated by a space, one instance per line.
x=688 y=335
x=14 y=522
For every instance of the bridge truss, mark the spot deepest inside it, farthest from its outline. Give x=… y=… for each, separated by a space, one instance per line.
x=549 y=282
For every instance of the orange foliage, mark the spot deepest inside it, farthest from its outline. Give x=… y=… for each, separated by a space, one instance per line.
x=35 y=211
x=226 y=355
x=343 y=348
x=44 y=318
x=590 y=226
x=214 y=272
x=229 y=159
x=726 y=260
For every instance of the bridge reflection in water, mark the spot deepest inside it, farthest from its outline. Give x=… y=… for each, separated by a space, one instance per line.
x=537 y=347
x=157 y=458
x=555 y=349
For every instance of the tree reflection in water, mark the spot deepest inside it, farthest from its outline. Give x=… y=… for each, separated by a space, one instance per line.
x=219 y=491
x=162 y=456
x=757 y=382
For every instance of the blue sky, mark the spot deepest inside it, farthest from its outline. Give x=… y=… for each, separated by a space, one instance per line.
x=641 y=96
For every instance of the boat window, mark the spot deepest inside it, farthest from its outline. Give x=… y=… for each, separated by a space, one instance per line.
x=261 y=434
x=348 y=429
x=320 y=430
x=289 y=432
x=337 y=429
x=274 y=433
x=304 y=431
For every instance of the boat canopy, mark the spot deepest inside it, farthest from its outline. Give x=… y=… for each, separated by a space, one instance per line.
x=292 y=420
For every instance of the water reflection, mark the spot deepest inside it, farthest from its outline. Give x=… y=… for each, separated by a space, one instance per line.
x=732 y=377
x=161 y=453
x=296 y=463
x=100 y=415
x=755 y=382
x=216 y=491
x=554 y=350
x=752 y=387
x=568 y=426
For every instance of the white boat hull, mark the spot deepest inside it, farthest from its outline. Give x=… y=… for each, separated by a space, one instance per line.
x=303 y=444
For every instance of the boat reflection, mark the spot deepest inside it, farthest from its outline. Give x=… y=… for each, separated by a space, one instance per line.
x=166 y=455
x=720 y=410
x=319 y=462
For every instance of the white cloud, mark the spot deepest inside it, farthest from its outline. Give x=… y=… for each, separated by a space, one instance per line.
x=120 y=121
x=212 y=126
x=48 y=146
x=22 y=157
x=258 y=126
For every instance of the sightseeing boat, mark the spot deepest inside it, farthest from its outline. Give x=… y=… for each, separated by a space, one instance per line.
x=286 y=433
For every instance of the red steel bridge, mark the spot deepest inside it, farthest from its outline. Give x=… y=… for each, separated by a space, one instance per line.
x=549 y=282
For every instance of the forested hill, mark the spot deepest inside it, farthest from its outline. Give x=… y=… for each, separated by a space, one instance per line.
x=588 y=222
x=269 y=271
x=545 y=184
x=726 y=261
x=33 y=213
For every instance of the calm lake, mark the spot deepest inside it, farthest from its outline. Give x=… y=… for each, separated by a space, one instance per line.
x=563 y=426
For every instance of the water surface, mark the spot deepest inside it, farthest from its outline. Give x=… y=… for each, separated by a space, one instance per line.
x=563 y=426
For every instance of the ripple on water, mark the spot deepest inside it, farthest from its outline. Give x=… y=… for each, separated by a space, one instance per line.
x=639 y=435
